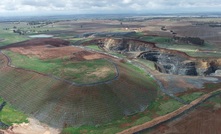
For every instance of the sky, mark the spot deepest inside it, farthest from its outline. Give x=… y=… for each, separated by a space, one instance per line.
x=53 y=7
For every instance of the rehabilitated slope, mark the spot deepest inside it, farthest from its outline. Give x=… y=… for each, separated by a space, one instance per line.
x=60 y=104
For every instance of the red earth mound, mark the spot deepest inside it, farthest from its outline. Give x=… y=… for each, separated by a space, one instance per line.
x=40 y=42
x=53 y=48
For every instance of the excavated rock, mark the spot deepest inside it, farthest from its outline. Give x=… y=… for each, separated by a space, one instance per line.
x=124 y=45
x=170 y=63
x=218 y=73
x=166 y=61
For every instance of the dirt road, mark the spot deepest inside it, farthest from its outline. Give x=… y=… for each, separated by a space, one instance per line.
x=169 y=116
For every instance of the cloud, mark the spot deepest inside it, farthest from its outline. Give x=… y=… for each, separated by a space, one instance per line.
x=106 y=6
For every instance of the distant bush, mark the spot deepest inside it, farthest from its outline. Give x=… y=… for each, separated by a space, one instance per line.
x=188 y=40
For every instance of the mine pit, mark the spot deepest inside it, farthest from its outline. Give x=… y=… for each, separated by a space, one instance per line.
x=170 y=63
x=165 y=60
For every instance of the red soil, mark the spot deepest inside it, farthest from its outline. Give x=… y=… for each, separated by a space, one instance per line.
x=204 y=120
x=39 y=42
x=52 y=48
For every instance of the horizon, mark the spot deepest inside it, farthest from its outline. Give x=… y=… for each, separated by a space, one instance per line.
x=181 y=14
x=74 y=7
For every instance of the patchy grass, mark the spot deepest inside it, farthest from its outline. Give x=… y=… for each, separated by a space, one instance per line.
x=157 y=39
x=117 y=54
x=168 y=107
x=160 y=106
x=192 y=50
x=94 y=47
x=88 y=71
x=191 y=97
x=10 y=37
x=9 y=115
x=142 y=120
x=147 y=63
x=135 y=68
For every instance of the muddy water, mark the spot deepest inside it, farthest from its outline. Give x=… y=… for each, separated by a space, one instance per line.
x=41 y=36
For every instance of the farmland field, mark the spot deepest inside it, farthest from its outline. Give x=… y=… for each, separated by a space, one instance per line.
x=80 y=72
x=104 y=76
x=204 y=120
x=116 y=95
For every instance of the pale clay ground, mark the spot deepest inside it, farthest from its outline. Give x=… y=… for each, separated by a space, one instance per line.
x=33 y=127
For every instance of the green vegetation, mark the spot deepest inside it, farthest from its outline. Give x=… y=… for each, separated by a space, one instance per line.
x=118 y=125
x=168 y=106
x=117 y=54
x=157 y=39
x=191 y=97
x=147 y=63
x=90 y=130
x=94 y=47
x=9 y=37
x=160 y=107
x=214 y=102
x=192 y=50
x=9 y=115
x=142 y=120
x=78 y=41
x=215 y=54
x=78 y=71
x=212 y=86
x=137 y=34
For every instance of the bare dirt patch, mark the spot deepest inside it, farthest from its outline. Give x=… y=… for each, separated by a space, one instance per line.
x=53 y=48
x=44 y=52
x=33 y=127
x=39 y=42
x=86 y=55
x=101 y=72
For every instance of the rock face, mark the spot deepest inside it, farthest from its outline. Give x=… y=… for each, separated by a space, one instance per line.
x=188 y=68
x=166 y=61
x=125 y=45
x=170 y=63
x=218 y=73
x=211 y=69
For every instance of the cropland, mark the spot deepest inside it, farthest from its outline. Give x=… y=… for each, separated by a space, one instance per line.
x=107 y=76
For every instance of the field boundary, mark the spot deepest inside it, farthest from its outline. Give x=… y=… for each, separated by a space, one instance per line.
x=162 y=119
x=9 y=64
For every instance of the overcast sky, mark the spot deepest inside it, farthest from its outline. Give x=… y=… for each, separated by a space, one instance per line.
x=43 y=7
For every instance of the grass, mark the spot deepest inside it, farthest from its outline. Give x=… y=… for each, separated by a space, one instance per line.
x=90 y=130
x=192 y=50
x=147 y=63
x=94 y=47
x=119 y=125
x=135 y=68
x=10 y=37
x=168 y=43
x=142 y=120
x=157 y=39
x=168 y=107
x=117 y=54
x=79 y=72
x=78 y=41
x=191 y=97
x=48 y=94
x=9 y=115
x=112 y=127
x=160 y=107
